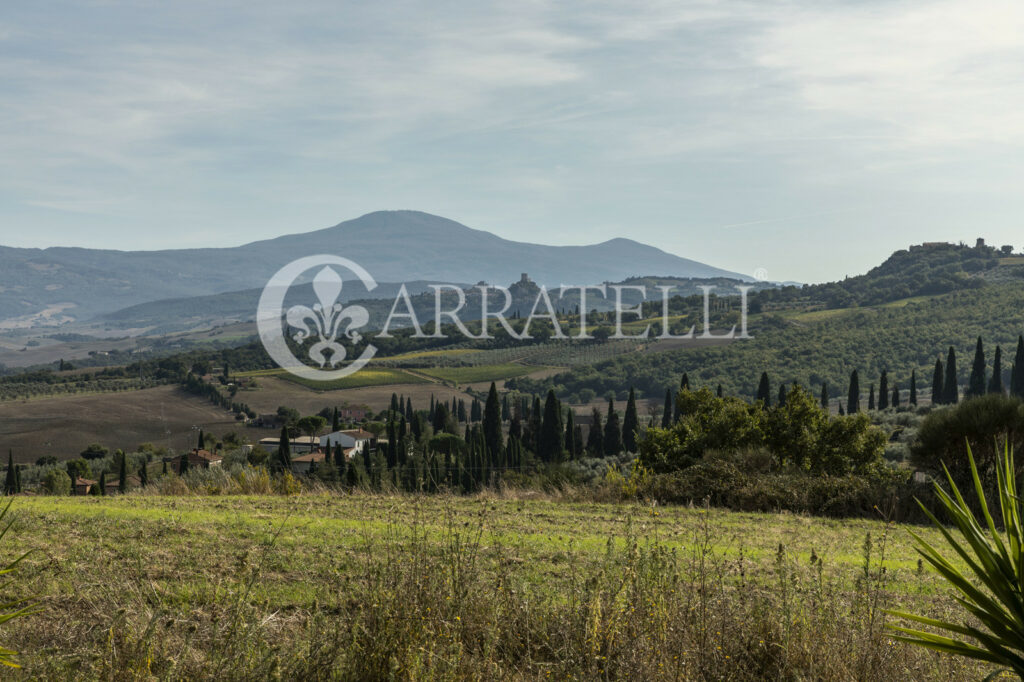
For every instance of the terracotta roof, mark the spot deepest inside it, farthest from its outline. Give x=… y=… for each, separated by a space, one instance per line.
x=311 y=457
x=84 y=481
x=358 y=433
x=207 y=455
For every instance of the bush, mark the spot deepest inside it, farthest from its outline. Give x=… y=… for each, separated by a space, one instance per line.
x=56 y=482
x=723 y=484
x=943 y=436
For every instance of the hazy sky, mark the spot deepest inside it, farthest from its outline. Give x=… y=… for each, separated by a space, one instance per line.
x=805 y=138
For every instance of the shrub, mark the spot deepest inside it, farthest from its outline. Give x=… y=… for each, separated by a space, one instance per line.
x=943 y=436
x=56 y=482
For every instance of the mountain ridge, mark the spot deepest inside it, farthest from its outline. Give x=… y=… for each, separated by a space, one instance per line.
x=394 y=246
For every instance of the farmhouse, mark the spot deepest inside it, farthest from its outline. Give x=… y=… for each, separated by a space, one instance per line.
x=357 y=439
x=304 y=464
x=82 y=486
x=201 y=459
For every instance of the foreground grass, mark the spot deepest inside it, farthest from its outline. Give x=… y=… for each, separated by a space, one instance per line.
x=395 y=587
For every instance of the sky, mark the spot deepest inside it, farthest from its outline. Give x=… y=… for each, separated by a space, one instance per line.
x=804 y=140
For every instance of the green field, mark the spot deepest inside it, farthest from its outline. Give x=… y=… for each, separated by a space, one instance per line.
x=391 y=587
x=368 y=376
x=478 y=373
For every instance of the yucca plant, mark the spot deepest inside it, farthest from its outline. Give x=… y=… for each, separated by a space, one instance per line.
x=16 y=608
x=994 y=595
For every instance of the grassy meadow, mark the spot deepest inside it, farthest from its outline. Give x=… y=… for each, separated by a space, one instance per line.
x=498 y=586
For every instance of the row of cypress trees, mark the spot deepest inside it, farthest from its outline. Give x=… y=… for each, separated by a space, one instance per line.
x=538 y=434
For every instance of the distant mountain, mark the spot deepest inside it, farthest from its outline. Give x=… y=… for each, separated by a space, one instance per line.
x=394 y=246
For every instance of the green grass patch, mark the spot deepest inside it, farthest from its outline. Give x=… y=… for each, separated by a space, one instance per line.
x=368 y=376
x=471 y=375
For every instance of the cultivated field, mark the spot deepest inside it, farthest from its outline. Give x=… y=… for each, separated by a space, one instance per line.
x=275 y=391
x=63 y=426
x=388 y=587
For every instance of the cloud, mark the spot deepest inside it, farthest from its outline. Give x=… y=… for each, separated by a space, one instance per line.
x=921 y=74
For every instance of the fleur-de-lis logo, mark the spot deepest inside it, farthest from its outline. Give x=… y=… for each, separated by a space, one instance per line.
x=328 y=322
x=327 y=316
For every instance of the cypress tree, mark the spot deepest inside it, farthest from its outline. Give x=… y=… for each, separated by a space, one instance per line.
x=612 y=431
x=996 y=384
x=335 y=421
x=719 y=392
x=202 y=440
x=351 y=477
x=394 y=402
x=676 y=410
x=10 y=484
x=842 y=413
x=951 y=387
x=164 y=471
x=666 y=413
x=1017 y=376
x=533 y=425
x=630 y=423
x=492 y=423
x=895 y=396
x=143 y=475
x=883 y=391
x=570 y=434
x=506 y=414
x=764 y=390
x=17 y=478
x=824 y=396
x=122 y=483
x=938 y=392
x=977 y=384
x=578 y=441
x=284 y=451
x=684 y=383
x=549 y=441
x=853 y=395
x=871 y=398
x=782 y=395
x=391 y=452
x=913 y=387
x=103 y=483
x=595 y=438
x=182 y=465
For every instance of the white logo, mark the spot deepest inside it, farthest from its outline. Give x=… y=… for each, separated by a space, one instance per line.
x=327 y=321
